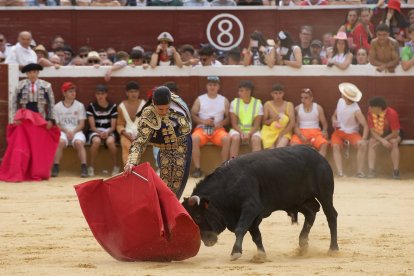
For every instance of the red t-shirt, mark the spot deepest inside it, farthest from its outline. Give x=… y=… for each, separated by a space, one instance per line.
x=391 y=120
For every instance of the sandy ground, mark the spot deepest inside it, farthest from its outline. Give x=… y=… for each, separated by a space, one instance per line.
x=43 y=232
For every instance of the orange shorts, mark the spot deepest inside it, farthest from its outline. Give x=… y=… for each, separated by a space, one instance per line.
x=339 y=136
x=214 y=138
x=313 y=135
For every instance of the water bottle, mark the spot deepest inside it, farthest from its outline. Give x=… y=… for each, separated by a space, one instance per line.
x=209 y=129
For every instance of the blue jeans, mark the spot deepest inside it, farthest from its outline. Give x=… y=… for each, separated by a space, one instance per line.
x=47 y=3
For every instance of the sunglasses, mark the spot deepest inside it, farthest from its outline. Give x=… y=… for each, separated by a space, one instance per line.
x=83 y=56
x=94 y=61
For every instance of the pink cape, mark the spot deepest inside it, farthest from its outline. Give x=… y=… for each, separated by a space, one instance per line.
x=136 y=217
x=31 y=148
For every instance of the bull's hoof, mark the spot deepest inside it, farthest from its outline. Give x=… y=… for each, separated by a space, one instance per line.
x=333 y=253
x=259 y=258
x=302 y=250
x=235 y=256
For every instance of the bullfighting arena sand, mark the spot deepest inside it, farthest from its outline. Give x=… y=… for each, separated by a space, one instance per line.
x=43 y=232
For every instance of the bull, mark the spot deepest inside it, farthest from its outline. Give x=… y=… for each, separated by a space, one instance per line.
x=244 y=190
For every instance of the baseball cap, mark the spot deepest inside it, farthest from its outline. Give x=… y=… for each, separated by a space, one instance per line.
x=101 y=88
x=67 y=86
x=213 y=79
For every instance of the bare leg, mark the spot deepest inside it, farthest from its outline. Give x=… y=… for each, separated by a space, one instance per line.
x=323 y=150
x=59 y=151
x=372 y=154
x=282 y=142
x=225 y=141
x=395 y=153
x=80 y=149
x=110 y=142
x=96 y=143
x=235 y=146
x=256 y=143
x=361 y=153
x=196 y=151
x=338 y=158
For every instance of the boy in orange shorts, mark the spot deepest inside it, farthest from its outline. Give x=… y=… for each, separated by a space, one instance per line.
x=309 y=117
x=346 y=120
x=210 y=112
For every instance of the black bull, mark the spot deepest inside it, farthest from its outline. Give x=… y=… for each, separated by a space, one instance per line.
x=243 y=191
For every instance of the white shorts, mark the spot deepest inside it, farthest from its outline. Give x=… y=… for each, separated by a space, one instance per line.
x=235 y=132
x=78 y=136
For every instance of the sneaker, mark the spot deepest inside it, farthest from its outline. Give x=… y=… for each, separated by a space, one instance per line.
x=91 y=171
x=84 y=171
x=346 y=149
x=396 y=174
x=361 y=175
x=341 y=174
x=115 y=170
x=372 y=173
x=55 y=170
x=197 y=173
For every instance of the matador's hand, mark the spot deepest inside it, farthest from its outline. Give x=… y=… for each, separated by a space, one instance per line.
x=128 y=168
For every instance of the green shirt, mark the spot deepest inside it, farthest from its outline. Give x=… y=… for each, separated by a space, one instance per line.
x=407 y=53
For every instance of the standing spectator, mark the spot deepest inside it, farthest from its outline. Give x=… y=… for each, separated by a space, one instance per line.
x=384 y=126
x=286 y=3
x=93 y=59
x=407 y=54
x=58 y=42
x=165 y=54
x=327 y=41
x=314 y=3
x=246 y=113
x=77 y=61
x=316 y=49
x=258 y=52
x=309 y=117
x=341 y=54
x=362 y=57
x=102 y=124
x=210 y=112
x=69 y=53
x=122 y=61
x=206 y=56
x=278 y=119
x=411 y=17
x=127 y=122
x=346 y=121
x=70 y=117
x=105 y=3
x=351 y=20
x=288 y=53
x=234 y=56
x=305 y=38
x=5 y=47
x=187 y=55
x=222 y=3
x=396 y=22
x=384 y=50
x=196 y=3
x=84 y=51
x=21 y=53
x=363 y=32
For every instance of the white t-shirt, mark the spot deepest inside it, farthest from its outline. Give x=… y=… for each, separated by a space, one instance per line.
x=69 y=117
x=346 y=116
x=21 y=56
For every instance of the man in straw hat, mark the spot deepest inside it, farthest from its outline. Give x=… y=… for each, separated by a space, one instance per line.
x=347 y=120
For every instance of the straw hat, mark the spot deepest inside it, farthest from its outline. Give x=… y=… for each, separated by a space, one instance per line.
x=350 y=91
x=41 y=48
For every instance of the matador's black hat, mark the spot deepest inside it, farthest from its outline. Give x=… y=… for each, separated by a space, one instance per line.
x=32 y=67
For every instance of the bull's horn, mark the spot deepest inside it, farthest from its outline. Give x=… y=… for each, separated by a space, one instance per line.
x=194 y=199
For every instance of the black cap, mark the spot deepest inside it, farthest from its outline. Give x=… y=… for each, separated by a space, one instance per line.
x=32 y=67
x=101 y=88
x=132 y=85
x=161 y=95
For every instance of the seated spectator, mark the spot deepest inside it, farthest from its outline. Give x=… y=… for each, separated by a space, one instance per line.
x=55 y=61
x=58 y=42
x=122 y=61
x=222 y=3
x=106 y=62
x=102 y=124
x=314 y=3
x=41 y=3
x=93 y=59
x=316 y=49
x=206 y=56
x=69 y=53
x=111 y=54
x=288 y=53
x=187 y=55
x=5 y=47
x=136 y=3
x=84 y=51
x=362 y=57
x=42 y=56
x=384 y=126
x=22 y=53
x=346 y=121
x=407 y=54
x=105 y=3
x=127 y=121
x=70 y=117
x=384 y=50
x=137 y=59
x=210 y=112
x=234 y=56
x=309 y=117
x=327 y=45
x=196 y=3
x=286 y=3
x=341 y=54
x=305 y=39
x=258 y=52
x=176 y=3
x=246 y=113
x=165 y=54
x=363 y=32
x=351 y=20
x=278 y=119
x=60 y=52
x=77 y=61
x=396 y=22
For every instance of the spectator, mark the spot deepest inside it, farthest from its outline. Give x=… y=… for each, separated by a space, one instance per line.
x=384 y=50
x=58 y=42
x=78 y=61
x=106 y=62
x=258 y=52
x=252 y=2
x=60 y=52
x=341 y=55
x=411 y=17
x=206 y=56
x=41 y=3
x=350 y=23
x=122 y=61
x=362 y=57
x=127 y=122
x=234 y=56
x=305 y=38
x=327 y=47
x=70 y=117
x=2 y=58
x=69 y=53
x=196 y=3
x=5 y=47
x=176 y=3
x=83 y=52
x=136 y=3
x=309 y=117
x=21 y=53
x=105 y=3
x=246 y=113
x=288 y=54
x=396 y=22
x=137 y=59
x=210 y=112
x=384 y=126
x=187 y=55
x=222 y=3
x=93 y=59
x=165 y=54
x=316 y=49
x=363 y=32
x=286 y=3
x=314 y=3
x=278 y=119
x=102 y=124
x=346 y=121
x=41 y=53
x=407 y=54
x=102 y=54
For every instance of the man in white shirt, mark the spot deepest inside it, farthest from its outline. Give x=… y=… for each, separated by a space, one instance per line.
x=21 y=53
x=346 y=121
x=5 y=47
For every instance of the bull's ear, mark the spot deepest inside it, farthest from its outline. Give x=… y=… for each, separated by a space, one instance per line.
x=204 y=203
